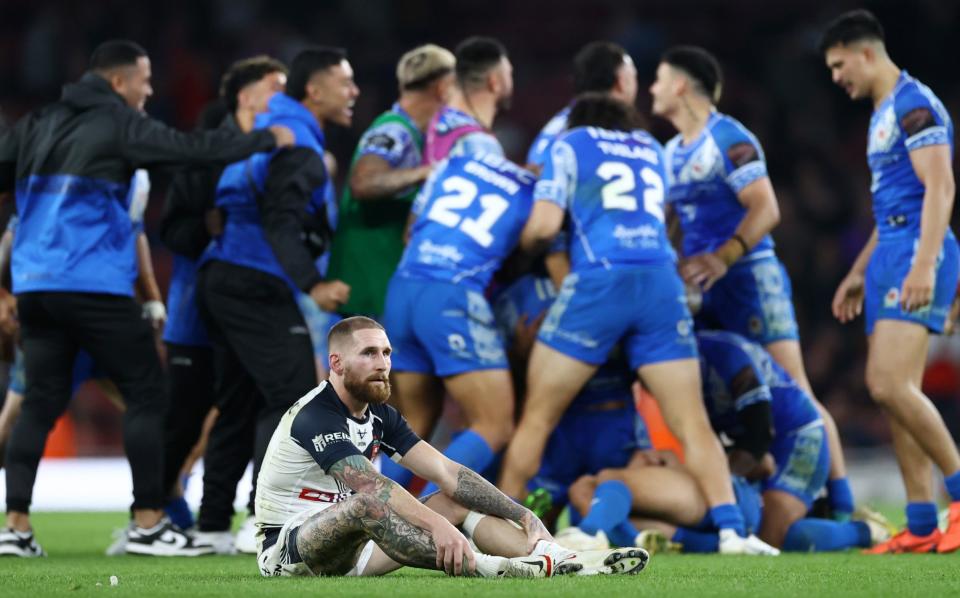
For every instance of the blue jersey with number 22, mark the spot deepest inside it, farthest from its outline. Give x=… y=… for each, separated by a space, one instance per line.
x=612 y=185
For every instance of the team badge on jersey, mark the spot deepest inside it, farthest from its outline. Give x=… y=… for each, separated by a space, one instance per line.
x=705 y=163
x=885 y=132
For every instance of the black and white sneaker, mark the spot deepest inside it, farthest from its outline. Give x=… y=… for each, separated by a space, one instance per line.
x=22 y=544
x=164 y=539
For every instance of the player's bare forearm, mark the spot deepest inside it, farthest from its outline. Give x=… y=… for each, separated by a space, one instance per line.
x=322 y=537
x=546 y=219
x=357 y=473
x=477 y=494
x=146 y=280
x=860 y=264
x=376 y=180
x=762 y=215
x=934 y=220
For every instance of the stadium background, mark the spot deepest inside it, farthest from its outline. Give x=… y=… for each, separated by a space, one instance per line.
x=775 y=83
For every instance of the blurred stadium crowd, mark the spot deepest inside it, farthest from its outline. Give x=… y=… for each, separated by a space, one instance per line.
x=775 y=83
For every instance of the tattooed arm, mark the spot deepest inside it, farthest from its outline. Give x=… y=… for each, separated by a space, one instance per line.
x=403 y=527
x=471 y=490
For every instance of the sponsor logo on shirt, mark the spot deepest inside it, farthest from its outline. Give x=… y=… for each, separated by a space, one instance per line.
x=429 y=251
x=320 y=441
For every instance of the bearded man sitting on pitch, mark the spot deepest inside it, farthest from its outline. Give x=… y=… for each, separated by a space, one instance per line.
x=323 y=509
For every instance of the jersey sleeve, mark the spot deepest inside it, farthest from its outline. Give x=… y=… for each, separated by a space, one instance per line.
x=423 y=196
x=921 y=118
x=398 y=438
x=478 y=142
x=541 y=145
x=743 y=157
x=390 y=141
x=559 y=173
x=324 y=435
x=732 y=362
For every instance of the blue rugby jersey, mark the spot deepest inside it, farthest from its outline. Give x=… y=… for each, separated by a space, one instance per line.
x=469 y=214
x=705 y=178
x=909 y=118
x=612 y=186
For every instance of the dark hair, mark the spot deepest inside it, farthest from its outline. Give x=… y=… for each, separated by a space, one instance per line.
x=853 y=26
x=346 y=327
x=595 y=66
x=307 y=63
x=700 y=65
x=475 y=57
x=244 y=72
x=595 y=109
x=115 y=52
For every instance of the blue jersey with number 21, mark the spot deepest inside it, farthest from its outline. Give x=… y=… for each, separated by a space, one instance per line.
x=469 y=217
x=612 y=185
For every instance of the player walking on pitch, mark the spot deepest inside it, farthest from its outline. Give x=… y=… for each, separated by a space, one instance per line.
x=905 y=277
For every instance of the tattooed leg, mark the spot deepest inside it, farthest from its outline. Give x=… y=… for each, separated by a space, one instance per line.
x=329 y=541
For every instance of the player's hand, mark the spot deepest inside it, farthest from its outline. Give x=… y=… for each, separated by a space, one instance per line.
x=703 y=270
x=282 y=135
x=330 y=295
x=155 y=312
x=454 y=555
x=917 y=290
x=848 y=300
x=535 y=530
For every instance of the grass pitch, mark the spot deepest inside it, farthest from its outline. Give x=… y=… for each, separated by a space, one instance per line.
x=77 y=567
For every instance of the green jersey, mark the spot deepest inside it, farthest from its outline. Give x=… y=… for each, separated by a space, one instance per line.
x=368 y=242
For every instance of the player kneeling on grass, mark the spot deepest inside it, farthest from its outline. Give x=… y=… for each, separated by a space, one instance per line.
x=322 y=508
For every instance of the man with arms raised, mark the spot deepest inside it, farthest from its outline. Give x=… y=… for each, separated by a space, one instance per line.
x=323 y=509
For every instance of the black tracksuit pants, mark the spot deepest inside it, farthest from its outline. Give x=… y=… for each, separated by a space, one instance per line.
x=263 y=362
x=111 y=328
x=190 y=381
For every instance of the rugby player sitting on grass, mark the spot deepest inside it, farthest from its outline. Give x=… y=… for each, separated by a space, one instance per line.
x=322 y=508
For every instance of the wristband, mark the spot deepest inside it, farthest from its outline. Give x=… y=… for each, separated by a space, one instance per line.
x=742 y=242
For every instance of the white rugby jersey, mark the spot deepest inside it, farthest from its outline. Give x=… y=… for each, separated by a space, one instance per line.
x=316 y=432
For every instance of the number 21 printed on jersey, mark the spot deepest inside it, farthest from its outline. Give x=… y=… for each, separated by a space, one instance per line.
x=462 y=192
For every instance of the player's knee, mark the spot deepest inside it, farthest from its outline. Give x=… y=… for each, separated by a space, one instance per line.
x=882 y=385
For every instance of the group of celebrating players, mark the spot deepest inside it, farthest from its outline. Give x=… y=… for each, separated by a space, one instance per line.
x=539 y=297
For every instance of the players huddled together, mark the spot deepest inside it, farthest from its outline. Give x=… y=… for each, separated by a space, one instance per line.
x=530 y=306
